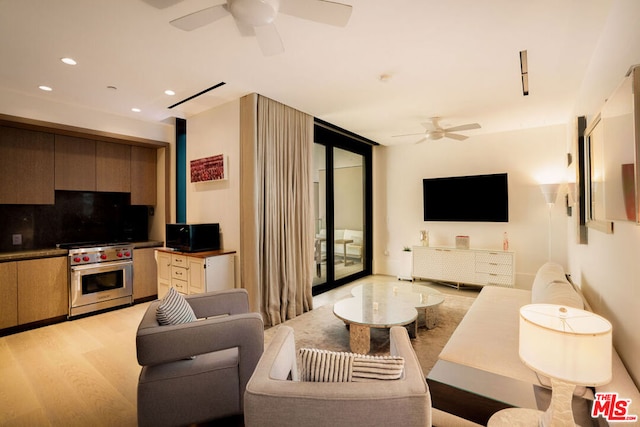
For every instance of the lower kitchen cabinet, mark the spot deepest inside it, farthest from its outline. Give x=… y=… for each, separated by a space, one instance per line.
x=8 y=294
x=195 y=272
x=144 y=274
x=43 y=289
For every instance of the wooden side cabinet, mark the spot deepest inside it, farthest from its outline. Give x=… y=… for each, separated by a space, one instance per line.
x=8 y=294
x=144 y=274
x=43 y=289
x=193 y=273
x=26 y=167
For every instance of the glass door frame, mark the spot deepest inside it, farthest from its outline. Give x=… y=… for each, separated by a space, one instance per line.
x=331 y=137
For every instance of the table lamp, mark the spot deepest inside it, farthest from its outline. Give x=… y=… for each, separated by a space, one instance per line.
x=571 y=347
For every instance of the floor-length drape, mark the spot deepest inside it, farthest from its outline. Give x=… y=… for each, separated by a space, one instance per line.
x=282 y=195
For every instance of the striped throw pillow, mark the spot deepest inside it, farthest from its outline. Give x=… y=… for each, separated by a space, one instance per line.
x=331 y=366
x=174 y=309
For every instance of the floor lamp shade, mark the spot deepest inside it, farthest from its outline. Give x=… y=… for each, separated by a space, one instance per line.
x=566 y=343
x=550 y=192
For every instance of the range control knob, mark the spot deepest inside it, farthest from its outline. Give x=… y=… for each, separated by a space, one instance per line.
x=76 y=259
x=103 y=256
x=119 y=254
x=85 y=258
x=127 y=254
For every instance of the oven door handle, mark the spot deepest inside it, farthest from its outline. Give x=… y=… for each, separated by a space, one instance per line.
x=101 y=265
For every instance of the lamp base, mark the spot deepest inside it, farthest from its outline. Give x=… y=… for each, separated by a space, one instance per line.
x=560 y=413
x=516 y=417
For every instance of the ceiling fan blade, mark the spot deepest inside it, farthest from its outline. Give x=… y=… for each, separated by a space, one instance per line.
x=245 y=29
x=269 y=40
x=421 y=140
x=162 y=4
x=455 y=136
x=463 y=127
x=200 y=18
x=407 y=134
x=325 y=12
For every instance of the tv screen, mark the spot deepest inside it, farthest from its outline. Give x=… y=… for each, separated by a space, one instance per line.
x=476 y=198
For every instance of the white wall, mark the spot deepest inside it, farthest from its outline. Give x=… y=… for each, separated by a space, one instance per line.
x=530 y=157
x=217 y=131
x=608 y=268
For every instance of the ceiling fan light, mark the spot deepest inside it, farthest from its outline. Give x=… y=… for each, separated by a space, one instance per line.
x=254 y=12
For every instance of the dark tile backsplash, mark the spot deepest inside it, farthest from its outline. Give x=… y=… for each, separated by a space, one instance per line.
x=77 y=216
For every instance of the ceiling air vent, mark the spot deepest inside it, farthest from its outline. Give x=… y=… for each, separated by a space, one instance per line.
x=197 y=95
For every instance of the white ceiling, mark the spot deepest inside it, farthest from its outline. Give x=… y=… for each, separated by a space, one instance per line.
x=458 y=59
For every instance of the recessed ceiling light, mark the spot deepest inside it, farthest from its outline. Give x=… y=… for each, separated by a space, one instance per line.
x=68 y=61
x=169 y=92
x=136 y=110
x=45 y=88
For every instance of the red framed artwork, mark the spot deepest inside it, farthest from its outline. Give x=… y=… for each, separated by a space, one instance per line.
x=208 y=169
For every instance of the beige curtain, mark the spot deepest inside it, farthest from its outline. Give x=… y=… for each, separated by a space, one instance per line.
x=282 y=227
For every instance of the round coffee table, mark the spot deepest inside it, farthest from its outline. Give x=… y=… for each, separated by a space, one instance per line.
x=425 y=299
x=361 y=313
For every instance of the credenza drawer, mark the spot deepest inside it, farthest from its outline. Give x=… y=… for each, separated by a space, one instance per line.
x=494 y=257
x=494 y=268
x=179 y=273
x=494 y=279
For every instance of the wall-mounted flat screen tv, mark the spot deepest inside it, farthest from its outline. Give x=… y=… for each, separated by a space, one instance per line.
x=475 y=198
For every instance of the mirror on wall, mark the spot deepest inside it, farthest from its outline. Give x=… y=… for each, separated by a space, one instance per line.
x=612 y=166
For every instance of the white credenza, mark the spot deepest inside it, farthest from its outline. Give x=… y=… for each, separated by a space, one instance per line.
x=478 y=267
x=195 y=272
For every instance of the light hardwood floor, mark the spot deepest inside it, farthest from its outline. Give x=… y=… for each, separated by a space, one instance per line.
x=84 y=372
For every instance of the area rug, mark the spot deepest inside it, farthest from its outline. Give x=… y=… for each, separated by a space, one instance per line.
x=320 y=328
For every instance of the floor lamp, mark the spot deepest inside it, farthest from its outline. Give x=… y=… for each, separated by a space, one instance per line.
x=571 y=347
x=550 y=193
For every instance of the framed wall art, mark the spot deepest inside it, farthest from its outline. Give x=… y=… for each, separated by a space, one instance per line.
x=212 y=168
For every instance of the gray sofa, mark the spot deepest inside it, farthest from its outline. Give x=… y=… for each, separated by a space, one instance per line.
x=195 y=372
x=487 y=337
x=275 y=396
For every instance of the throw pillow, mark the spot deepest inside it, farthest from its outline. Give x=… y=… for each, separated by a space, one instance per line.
x=331 y=366
x=174 y=309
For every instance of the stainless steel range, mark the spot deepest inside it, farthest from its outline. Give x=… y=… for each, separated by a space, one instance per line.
x=100 y=277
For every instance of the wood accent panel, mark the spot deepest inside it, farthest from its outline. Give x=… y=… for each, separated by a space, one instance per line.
x=60 y=129
x=43 y=289
x=113 y=167
x=26 y=167
x=144 y=273
x=143 y=176
x=8 y=294
x=75 y=163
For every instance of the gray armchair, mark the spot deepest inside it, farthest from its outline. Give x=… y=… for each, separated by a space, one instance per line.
x=275 y=397
x=176 y=388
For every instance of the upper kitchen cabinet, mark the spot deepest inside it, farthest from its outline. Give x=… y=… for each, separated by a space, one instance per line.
x=113 y=167
x=26 y=167
x=143 y=175
x=75 y=163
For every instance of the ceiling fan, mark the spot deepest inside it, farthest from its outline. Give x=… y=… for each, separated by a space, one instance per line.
x=434 y=131
x=256 y=17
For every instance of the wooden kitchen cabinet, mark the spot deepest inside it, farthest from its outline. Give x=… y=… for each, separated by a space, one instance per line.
x=143 y=176
x=43 y=289
x=26 y=167
x=75 y=163
x=8 y=294
x=195 y=272
x=113 y=167
x=145 y=272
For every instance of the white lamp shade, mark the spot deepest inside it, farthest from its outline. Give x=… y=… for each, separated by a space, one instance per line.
x=566 y=343
x=550 y=192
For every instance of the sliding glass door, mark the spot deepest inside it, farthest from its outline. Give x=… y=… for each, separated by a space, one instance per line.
x=342 y=192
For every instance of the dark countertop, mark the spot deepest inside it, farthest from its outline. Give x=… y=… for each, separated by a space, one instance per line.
x=204 y=254
x=55 y=252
